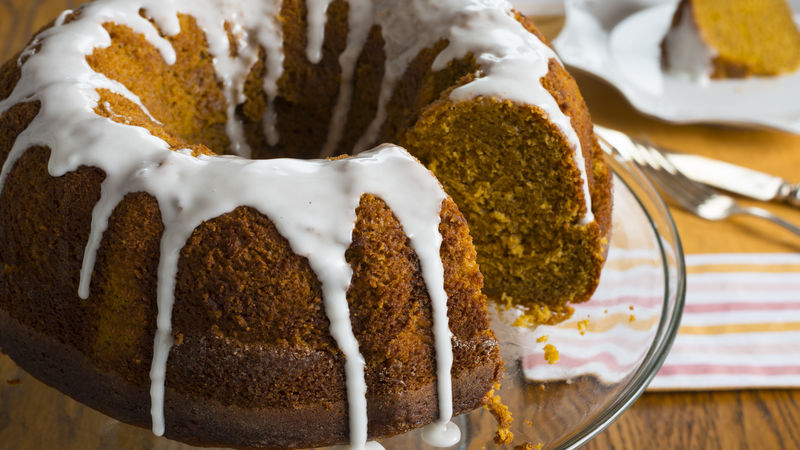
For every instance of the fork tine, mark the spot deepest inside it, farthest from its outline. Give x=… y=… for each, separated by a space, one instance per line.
x=650 y=159
x=662 y=173
x=674 y=184
x=666 y=164
x=695 y=197
x=638 y=155
x=696 y=191
x=648 y=155
x=612 y=149
x=677 y=192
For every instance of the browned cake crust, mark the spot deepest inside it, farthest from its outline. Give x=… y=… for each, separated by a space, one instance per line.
x=252 y=340
x=251 y=337
x=252 y=346
x=205 y=422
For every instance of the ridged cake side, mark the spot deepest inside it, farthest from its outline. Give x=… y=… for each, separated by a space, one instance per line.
x=244 y=301
x=252 y=341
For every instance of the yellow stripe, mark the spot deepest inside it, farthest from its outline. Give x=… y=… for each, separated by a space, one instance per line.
x=740 y=328
x=627 y=264
x=609 y=321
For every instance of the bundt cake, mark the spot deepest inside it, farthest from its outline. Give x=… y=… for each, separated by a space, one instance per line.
x=732 y=39
x=186 y=245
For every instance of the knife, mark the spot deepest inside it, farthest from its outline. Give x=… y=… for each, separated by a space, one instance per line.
x=719 y=174
x=739 y=180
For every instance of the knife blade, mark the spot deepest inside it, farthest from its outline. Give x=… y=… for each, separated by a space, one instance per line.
x=739 y=180
x=719 y=174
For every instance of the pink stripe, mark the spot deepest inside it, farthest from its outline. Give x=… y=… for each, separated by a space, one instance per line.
x=743 y=306
x=607 y=359
x=718 y=369
x=628 y=300
x=529 y=362
x=705 y=284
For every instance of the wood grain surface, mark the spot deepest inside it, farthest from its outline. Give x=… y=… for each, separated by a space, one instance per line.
x=759 y=419
x=683 y=420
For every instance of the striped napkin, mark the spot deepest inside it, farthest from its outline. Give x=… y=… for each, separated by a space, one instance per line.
x=740 y=327
x=741 y=324
x=608 y=336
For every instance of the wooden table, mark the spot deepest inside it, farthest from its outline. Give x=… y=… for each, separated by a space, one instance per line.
x=758 y=419
x=679 y=420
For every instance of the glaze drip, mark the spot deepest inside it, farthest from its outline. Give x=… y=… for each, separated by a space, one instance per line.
x=359 y=20
x=688 y=56
x=293 y=193
x=316 y=28
x=508 y=55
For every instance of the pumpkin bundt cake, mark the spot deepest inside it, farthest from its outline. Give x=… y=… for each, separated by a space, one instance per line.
x=732 y=39
x=186 y=245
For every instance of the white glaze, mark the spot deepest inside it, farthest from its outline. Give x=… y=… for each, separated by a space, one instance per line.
x=510 y=59
x=440 y=434
x=294 y=194
x=688 y=55
x=371 y=445
x=359 y=19
x=317 y=19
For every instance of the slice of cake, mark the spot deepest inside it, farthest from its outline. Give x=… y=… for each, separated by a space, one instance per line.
x=732 y=39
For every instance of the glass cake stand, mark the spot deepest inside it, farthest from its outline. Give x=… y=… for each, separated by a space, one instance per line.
x=609 y=351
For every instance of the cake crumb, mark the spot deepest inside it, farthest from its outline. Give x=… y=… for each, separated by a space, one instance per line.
x=514 y=245
x=503 y=436
x=630 y=307
x=529 y=422
x=501 y=414
x=506 y=300
x=538 y=315
x=631 y=318
x=542 y=338
x=551 y=354
x=605 y=311
x=500 y=217
x=528 y=446
x=582 y=326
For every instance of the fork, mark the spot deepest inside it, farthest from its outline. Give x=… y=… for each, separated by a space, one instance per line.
x=695 y=197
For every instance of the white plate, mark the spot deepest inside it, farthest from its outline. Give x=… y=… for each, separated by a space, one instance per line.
x=618 y=41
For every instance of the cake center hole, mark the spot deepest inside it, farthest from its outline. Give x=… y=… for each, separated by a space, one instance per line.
x=186 y=105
